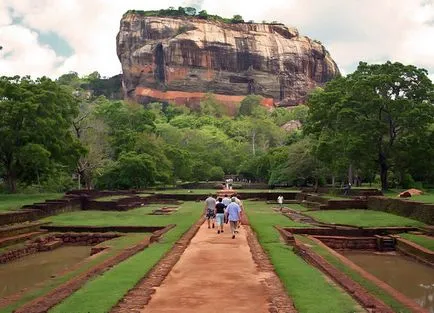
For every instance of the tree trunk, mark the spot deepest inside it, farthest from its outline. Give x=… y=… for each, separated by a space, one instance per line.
x=383 y=171
x=11 y=181
x=316 y=184
x=350 y=174
x=253 y=143
x=333 y=181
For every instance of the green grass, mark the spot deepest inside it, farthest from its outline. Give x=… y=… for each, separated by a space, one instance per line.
x=424 y=241
x=306 y=285
x=334 y=197
x=134 y=217
x=10 y=202
x=370 y=286
x=426 y=197
x=103 y=292
x=114 y=197
x=363 y=218
x=116 y=245
x=297 y=207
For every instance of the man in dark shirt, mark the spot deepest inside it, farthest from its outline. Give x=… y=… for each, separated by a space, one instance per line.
x=220 y=215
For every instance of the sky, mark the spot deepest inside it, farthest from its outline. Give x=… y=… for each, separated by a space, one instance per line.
x=54 y=37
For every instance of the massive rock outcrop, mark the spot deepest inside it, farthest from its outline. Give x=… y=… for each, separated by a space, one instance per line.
x=181 y=59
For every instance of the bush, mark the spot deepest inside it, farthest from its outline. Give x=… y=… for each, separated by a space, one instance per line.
x=216 y=173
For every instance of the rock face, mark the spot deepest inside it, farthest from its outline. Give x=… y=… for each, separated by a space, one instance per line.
x=181 y=59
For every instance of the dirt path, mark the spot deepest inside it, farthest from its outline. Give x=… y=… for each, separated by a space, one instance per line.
x=214 y=274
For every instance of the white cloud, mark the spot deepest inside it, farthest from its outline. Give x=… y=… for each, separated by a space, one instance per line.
x=352 y=30
x=22 y=54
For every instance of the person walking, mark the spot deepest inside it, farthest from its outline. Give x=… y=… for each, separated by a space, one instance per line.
x=240 y=204
x=280 y=201
x=226 y=200
x=210 y=204
x=233 y=211
x=220 y=215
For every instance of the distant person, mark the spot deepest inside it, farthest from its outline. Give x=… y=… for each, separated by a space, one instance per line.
x=210 y=204
x=347 y=189
x=226 y=200
x=233 y=212
x=220 y=215
x=280 y=201
x=240 y=204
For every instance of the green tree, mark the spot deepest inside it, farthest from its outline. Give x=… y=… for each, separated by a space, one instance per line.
x=203 y=14
x=125 y=121
x=190 y=11
x=374 y=114
x=37 y=112
x=301 y=166
x=132 y=170
x=248 y=104
x=237 y=19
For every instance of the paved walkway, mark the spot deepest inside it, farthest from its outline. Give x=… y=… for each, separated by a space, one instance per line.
x=214 y=274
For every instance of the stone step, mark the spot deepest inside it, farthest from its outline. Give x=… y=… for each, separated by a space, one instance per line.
x=52 y=245
x=19 y=238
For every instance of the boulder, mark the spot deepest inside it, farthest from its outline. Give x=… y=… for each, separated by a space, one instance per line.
x=181 y=59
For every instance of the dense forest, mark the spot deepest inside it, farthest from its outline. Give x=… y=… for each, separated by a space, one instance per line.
x=373 y=126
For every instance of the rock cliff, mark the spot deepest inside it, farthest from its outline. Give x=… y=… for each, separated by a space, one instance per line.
x=181 y=59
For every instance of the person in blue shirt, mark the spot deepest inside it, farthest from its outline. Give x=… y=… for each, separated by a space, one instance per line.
x=233 y=212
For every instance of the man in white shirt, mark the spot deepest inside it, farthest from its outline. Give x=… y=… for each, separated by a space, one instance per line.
x=226 y=200
x=280 y=201
x=233 y=212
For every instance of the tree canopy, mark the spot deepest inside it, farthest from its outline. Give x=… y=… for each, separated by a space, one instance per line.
x=35 y=128
x=374 y=124
x=377 y=115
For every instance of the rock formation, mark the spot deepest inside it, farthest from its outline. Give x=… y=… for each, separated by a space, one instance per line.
x=181 y=59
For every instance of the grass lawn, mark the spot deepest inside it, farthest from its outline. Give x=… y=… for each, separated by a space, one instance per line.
x=114 y=197
x=334 y=197
x=307 y=286
x=426 y=197
x=297 y=207
x=102 y=293
x=424 y=241
x=372 y=287
x=134 y=217
x=116 y=244
x=10 y=202
x=363 y=218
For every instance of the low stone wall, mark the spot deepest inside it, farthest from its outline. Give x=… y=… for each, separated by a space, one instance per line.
x=321 y=203
x=104 y=229
x=365 y=192
x=354 y=243
x=18 y=253
x=19 y=216
x=416 y=210
x=100 y=205
x=350 y=232
x=99 y=193
x=316 y=198
x=337 y=204
x=414 y=250
x=43 y=243
x=40 y=210
x=84 y=239
x=14 y=230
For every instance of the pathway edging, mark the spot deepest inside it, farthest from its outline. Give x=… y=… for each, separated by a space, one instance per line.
x=141 y=293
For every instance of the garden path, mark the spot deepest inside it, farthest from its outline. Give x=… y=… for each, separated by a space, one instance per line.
x=214 y=274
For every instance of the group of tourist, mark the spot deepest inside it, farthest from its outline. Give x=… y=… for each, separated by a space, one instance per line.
x=224 y=210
